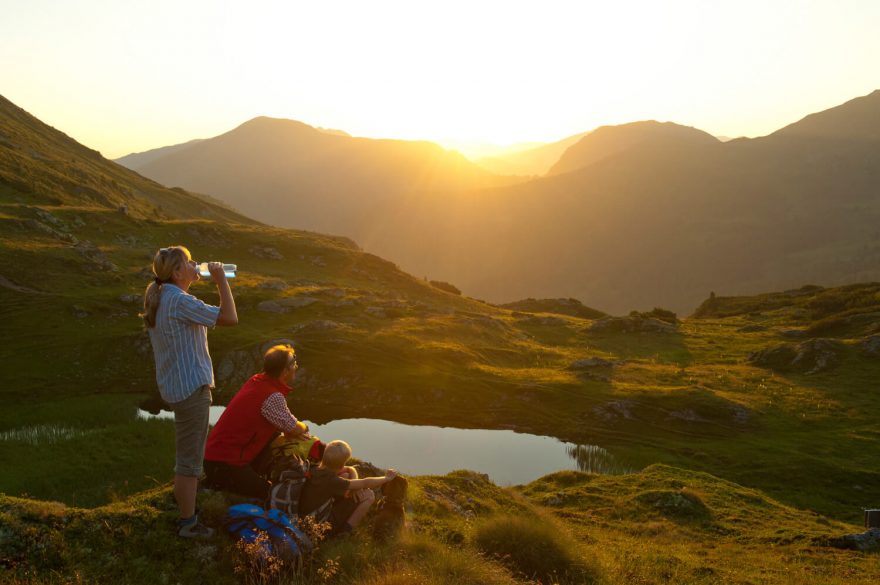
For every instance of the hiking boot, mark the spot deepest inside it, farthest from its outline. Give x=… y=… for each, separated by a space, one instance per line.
x=192 y=528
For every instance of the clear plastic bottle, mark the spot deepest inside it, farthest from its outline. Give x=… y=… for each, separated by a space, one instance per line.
x=229 y=269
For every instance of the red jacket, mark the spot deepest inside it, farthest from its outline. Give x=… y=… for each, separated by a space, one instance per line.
x=242 y=432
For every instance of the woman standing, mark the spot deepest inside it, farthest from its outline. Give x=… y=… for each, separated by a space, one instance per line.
x=178 y=326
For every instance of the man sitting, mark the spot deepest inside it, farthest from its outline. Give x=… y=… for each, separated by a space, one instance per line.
x=336 y=489
x=251 y=420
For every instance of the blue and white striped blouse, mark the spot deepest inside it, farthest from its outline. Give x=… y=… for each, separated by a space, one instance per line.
x=180 y=343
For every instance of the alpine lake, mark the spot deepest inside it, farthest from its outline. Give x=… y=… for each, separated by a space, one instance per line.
x=507 y=457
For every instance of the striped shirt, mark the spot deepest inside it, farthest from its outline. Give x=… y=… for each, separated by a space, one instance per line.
x=180 y=343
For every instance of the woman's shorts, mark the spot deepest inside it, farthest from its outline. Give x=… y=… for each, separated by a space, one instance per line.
x=191 y=431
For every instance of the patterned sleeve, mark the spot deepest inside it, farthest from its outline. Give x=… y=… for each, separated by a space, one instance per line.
x=275 y=411
x=189 y=308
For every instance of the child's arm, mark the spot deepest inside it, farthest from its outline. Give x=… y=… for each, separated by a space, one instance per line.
x=371 y=482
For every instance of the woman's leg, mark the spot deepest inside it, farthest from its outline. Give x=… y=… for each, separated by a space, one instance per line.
x=190 y=434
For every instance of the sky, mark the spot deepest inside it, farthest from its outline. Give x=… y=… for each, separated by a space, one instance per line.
x=123 y=76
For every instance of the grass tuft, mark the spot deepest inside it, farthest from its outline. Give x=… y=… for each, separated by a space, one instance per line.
x=533 y=548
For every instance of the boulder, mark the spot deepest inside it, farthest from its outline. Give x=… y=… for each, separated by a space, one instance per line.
x=775 y=358
x=614 y=410
x=810 y=357
x=817 y=355
x=864 y=541
x=871 y=346
x=319 y=325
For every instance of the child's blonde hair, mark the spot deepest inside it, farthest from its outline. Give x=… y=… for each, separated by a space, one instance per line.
x=336 y=454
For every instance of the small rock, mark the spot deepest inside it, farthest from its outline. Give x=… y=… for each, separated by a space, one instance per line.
x=589 y=363
x=871 y=346
x=321 y=325
x=688 y=414
x=273 y=284
x=266 y=252
x=271 y=307
x=378 y=312
x=297 y=302
x=753 y=328
x=131 y=299
x=793 y=333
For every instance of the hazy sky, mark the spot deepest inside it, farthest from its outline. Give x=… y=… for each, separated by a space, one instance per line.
x=123 y=76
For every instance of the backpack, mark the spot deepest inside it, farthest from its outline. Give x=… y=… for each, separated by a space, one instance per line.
x=287 y=487
x=286 y=491
x=285 y=540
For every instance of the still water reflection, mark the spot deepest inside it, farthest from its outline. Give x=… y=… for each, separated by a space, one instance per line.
x=508 y=458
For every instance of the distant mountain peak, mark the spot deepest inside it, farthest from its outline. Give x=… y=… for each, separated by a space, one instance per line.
x=857 y=119
x=607 y=141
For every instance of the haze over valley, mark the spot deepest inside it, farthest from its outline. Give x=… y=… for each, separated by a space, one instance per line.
x=628 y=216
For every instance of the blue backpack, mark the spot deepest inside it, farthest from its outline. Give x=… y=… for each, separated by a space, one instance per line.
x=285 y=541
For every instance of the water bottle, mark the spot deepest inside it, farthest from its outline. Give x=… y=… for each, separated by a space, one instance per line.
x=229 y=269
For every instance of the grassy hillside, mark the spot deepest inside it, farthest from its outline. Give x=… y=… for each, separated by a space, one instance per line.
x=663 y=525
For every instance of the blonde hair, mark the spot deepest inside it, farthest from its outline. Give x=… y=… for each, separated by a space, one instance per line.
x=165 y=262
x=336 y=454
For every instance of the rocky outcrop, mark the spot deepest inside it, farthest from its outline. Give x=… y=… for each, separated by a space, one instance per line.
x=545 y=321
x=809 y=357
x=615 y=410
x=631 y=325
x=863 y=541
x=594 y=368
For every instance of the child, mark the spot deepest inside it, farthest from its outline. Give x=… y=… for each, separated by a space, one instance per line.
x=335 y=486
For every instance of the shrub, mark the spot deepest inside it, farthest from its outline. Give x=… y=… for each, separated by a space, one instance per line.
x=533 y=548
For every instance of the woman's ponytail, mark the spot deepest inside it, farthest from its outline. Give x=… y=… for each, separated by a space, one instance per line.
x=165 y=262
